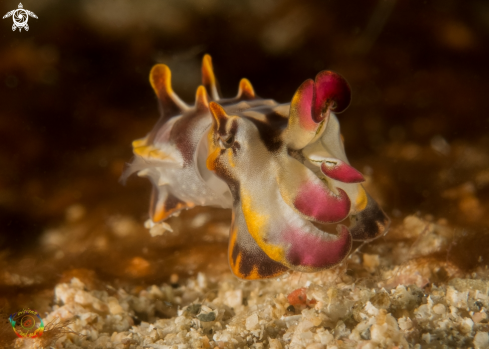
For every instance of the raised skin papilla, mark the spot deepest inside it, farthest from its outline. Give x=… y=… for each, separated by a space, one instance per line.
x=282 y=168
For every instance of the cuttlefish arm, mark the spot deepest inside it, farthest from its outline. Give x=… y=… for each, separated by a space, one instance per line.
x=246 y=259
x=285 y=236
x=310 y=196
x=312 y=105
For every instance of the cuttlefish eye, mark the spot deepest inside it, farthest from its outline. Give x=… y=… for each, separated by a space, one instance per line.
x=226 y=141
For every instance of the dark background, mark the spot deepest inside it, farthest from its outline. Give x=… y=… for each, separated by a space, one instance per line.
x=74 y=93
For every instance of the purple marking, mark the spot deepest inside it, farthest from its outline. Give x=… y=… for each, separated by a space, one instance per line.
x=316 y=201
x=341 y=171
x=314 y=251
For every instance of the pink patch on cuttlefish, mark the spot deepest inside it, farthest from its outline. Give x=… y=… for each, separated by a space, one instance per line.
x=341 y=171
x=302 y=105
x=314 y=251
x=332 y=93
x=317 y=202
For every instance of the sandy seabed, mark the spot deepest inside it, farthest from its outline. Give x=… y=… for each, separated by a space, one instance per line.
x=400 y=297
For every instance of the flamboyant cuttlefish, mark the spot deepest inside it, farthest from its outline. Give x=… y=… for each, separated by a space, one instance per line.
x=282 y=168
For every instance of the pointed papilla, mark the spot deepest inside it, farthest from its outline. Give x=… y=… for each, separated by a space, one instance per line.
x=160 y=79
x=201 y=99
x=245 y=91
x=208 y=77
x=220 y=117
